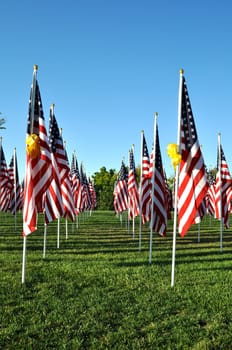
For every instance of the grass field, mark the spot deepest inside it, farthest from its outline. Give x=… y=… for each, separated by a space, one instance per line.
x=98 y=291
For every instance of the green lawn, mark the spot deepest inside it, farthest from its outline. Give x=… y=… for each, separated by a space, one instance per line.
x=98 y=291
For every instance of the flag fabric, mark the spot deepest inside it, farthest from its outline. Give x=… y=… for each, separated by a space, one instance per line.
x=145 y=191
x=193 y=183
x=121 y=191
x=133 y=194
x=6 y=185
x=53 y=204
x=38 y=160
x=222 y=188
x=159 y=192
x=15 y=198
x=210 y=195
x=84 y=202
x=76 y=184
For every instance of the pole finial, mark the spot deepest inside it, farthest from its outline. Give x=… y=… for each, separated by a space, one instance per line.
x=35 y=67
x=181 y=71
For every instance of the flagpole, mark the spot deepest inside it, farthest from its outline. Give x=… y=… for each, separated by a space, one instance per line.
x=133 y=209
x=152 y=188
x=15 y=189
x=24 y=258
x=58 y=232
x=220 y=189
x=176 y=180
x=140 y=191
x=128 y=202
x=45 y=239
x=31 y=130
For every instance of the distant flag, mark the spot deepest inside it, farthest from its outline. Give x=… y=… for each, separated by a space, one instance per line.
x=210 y=195
x=53 y=204
x=145 y=190
x=85 y=200
x=121 y=191
x=193 y=183
x=133 y=194
x=76 y=185
x=92 y=192
x=222 y=188
x=5 y=183
x=15 y=199
x=159 y=191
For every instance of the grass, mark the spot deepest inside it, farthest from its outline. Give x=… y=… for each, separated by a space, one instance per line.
x=97 y=291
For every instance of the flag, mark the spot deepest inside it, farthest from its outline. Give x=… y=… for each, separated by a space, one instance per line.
x=145 y=190
x=15 y=199
x=61 y=158
x=133 y=195
x=222 y=188
x=159 y=192
x=6 y=185
x=193 y=183
x=53 y=204
x=38 y=160
x=121 y=191
x=84 y=202
x=76 y=184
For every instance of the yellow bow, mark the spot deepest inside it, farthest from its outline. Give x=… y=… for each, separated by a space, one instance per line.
x=33 y=145
x=172 y=151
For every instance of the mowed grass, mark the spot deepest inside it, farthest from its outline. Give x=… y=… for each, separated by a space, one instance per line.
x=98 y=291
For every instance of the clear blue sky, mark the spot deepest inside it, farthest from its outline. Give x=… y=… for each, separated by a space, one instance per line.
x=109 y=65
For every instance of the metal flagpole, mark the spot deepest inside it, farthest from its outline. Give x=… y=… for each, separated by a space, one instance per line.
x=15 y=189
x=220 y=190
x=31 y=126
x=176 y=180
x=152 y=189
x=140 y=192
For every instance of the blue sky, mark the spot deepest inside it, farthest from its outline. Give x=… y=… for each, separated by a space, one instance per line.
x=109 y=65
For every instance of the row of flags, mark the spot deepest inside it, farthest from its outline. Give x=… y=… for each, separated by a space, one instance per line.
x=195 y=193
x=50 y=185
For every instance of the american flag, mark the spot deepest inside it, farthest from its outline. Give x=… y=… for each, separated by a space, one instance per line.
x=210 y=195
x=92 y=193
x=222 y=188
x=64 y=173
x=5 y=183
x=53 y=204
x=76 y=185
x=159 y=223
x=15 y=199
x=145 y=191
x=121 y=191
x=84 y=200
x=133 y=194
x=38 y=169
x=193 y=183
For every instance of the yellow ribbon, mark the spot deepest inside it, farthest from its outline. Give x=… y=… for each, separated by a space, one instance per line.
x=172 y=151
x=33 y=145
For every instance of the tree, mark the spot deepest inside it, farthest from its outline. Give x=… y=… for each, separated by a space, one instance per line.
x=2 y=121
x=104 y=181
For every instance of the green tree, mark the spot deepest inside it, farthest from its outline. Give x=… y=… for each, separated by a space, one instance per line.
x=104 y=181
x=2 y=121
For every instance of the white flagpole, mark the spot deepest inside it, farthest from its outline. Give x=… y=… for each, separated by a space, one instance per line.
x=140 y=192
x=15 y=189
x=45 y=239
x=176 y=180
x=133 y=212
x=32 y=121
x=220 y=190
x=24 y=258
x=66 y=226
x=152 y=189
x=58 y=232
